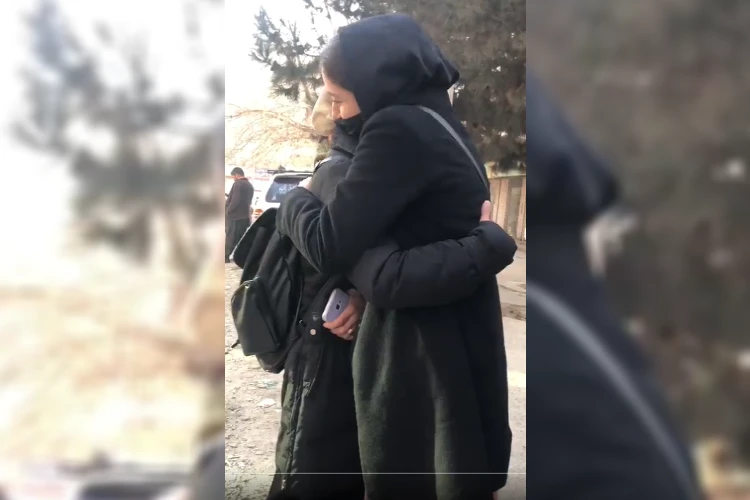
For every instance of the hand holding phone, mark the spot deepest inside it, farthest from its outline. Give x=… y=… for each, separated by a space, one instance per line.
x=337 y=302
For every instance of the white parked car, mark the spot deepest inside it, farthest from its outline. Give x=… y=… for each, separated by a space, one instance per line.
x=277 y=189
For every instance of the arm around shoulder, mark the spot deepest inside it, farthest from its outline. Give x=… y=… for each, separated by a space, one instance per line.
x=435 y=274
x=337 y=234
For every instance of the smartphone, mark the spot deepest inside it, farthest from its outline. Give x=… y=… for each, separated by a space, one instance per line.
x=337 y=302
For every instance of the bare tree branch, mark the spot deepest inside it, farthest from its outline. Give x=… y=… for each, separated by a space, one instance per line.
x=268 y=113
x=276 y=134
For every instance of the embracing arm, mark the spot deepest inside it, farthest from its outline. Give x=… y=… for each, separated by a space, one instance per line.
x=333 y=237
x=434 y=274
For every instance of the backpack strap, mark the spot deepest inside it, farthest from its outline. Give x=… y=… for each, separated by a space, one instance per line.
x=446 y=125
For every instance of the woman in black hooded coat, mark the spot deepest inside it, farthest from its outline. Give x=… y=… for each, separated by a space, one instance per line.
x=317 y=455
x=430 y=381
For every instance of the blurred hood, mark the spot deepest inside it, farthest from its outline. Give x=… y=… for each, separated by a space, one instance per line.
x=567 y=183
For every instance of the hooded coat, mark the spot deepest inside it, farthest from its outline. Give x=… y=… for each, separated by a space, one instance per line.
x=430 y=381
x=318 y=429
x=594 y=410
x=318 y=432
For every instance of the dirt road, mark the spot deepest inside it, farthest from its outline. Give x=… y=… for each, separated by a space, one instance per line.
x=252 y=397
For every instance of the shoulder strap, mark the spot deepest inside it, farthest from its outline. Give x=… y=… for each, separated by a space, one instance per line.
x=441 y=120
x=587 y=340
x=320 y=163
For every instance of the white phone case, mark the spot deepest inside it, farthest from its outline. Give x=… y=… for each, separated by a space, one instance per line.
x=337 y=302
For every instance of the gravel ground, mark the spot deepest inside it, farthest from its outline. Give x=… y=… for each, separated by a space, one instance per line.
x=253 y=411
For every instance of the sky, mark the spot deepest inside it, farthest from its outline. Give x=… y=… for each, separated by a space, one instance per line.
x=19 y=164
x=247 y=80
x=244 y=78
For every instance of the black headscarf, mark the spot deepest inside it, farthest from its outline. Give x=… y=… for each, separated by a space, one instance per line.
x=390 y=60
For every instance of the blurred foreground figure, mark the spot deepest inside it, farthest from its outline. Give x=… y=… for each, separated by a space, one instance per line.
x=208 y=481
x=203 y=311
x=598 y=424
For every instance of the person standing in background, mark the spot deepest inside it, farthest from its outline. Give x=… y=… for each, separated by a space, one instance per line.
x=237 y=216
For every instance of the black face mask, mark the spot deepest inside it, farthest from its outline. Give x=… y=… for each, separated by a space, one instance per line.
x=352 y=126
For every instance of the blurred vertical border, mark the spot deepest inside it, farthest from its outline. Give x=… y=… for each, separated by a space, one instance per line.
x=661 y=88
x=111 y=212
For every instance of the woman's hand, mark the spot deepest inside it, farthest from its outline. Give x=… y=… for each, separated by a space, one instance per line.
x=486 y=214
x=345 y=326
x=305 y=183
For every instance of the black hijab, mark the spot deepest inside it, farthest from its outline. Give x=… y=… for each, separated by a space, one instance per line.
x=390 y=60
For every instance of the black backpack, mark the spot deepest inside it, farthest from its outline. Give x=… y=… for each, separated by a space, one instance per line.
x=266 y=306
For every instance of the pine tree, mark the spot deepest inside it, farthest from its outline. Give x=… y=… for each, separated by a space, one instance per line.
x=485 y=38
x=293 y=63
x=121 y=194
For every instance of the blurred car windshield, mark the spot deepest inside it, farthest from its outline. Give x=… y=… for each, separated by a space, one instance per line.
x=280 y=187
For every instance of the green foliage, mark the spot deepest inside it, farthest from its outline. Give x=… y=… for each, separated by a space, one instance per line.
x=485 y=39
x=293 y=63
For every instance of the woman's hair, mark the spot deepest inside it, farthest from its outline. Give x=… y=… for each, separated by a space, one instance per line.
x=332 y=61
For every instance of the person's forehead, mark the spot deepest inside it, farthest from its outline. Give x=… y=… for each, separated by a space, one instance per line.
x=334 y=90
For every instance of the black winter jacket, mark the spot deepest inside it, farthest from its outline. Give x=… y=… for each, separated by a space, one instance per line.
x=430 y=383
x=597 y=421
x=318 y=431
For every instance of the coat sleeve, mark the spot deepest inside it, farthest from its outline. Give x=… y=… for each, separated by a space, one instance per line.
x=384 y=177
x=434 y=274
x=327 y=176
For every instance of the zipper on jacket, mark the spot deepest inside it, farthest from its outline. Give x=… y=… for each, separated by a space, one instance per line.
x=298 y=384
x=587 y=340
x=296 y=392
